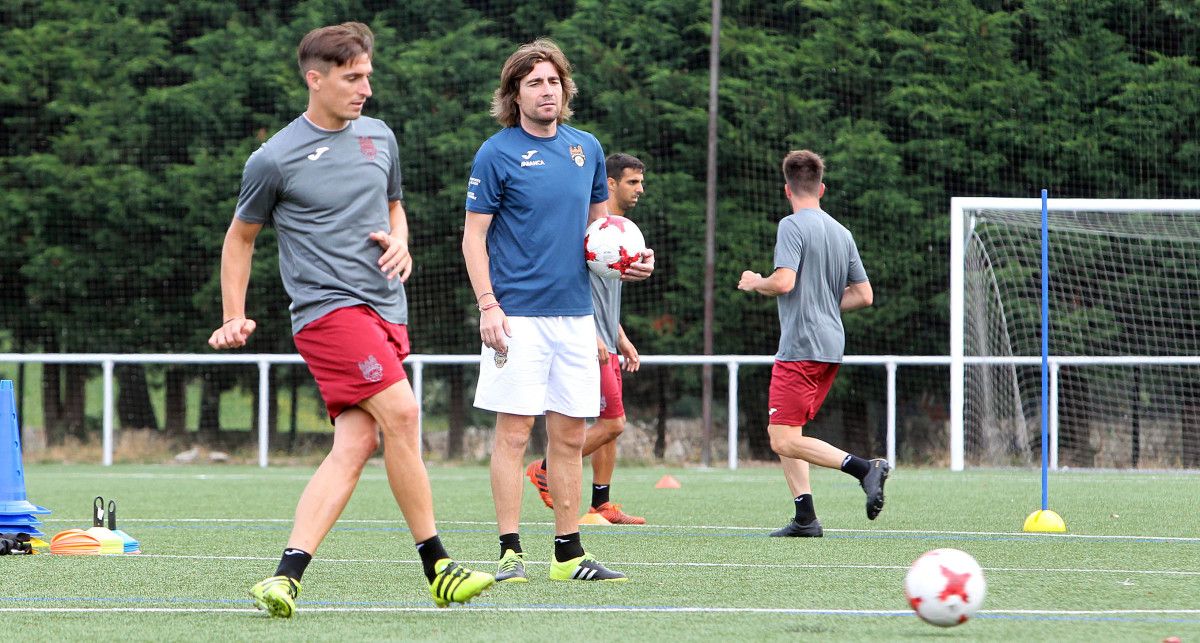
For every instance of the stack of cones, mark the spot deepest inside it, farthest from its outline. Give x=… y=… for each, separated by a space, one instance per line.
x=98 y=539
x=129 y=543
x=17 y=514
x=74 y=542
x=110 y=543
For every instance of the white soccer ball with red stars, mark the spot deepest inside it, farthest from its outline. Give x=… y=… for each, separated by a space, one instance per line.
x=945 y=587
x=612 y=243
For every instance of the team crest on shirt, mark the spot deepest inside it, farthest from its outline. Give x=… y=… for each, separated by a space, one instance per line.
x=372 y=370
x=367 y=147
x=577 y=155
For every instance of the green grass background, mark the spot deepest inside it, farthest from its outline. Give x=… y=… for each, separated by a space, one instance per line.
x=696 y=553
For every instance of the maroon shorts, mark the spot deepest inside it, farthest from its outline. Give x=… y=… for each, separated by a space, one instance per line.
x=798 y=389
x=611 y=405
x=353 y=353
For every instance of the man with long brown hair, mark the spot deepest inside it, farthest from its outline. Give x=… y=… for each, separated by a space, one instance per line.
x=818 y=275
x=322 y=180
x=533 y=186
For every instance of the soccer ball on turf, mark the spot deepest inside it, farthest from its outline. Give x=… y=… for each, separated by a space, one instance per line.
x=945 y=587
x=611 y=244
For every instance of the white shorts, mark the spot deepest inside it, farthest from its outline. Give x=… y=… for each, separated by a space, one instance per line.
x=551 y=366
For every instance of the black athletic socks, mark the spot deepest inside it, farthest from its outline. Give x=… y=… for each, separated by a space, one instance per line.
x=293 y=563
x=599 y=495
x=510 y=541
x=856 y=466
x=805 y=513
x=567 y=547
x=431 y=551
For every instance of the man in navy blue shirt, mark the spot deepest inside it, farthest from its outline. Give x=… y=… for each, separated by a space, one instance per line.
x=533 y=185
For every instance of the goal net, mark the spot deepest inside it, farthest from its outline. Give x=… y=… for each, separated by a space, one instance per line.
x=1124 y=340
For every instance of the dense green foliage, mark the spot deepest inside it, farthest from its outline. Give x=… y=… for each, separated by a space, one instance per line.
x=124 y=126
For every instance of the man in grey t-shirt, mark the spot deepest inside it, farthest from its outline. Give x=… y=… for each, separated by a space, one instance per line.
x=626 y=174
x=818 y=274
x=330 y=183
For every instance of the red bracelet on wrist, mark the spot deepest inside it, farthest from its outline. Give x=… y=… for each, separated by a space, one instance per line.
x=494 y=304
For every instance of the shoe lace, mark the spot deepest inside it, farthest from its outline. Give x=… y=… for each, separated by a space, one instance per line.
x=289 y=584
x=510 y=563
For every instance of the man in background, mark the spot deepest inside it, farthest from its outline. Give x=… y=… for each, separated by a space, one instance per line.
x=818 y=275
x=626 y=178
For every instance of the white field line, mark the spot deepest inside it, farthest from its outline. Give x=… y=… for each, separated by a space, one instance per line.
x=709 y=475
x=376 y=561
x=598 y=609
x=488 y=523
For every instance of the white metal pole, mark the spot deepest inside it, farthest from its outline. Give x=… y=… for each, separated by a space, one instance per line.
x=107 y=438
x=1053 y=415
x=264 y=419
x=957 y=369
x=733 y=414
x=418 y=384
x=891 y=413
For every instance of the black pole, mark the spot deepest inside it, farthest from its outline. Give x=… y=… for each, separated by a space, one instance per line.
x=710 y=229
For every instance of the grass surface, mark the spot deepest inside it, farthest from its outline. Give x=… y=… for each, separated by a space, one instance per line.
x=702 y=568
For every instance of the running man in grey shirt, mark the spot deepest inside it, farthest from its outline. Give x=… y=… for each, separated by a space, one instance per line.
x=330 y=183
x=818 y=274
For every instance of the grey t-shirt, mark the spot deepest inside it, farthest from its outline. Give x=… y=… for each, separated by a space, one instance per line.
x=823 y=254
x=326 y=191
x=606 y=299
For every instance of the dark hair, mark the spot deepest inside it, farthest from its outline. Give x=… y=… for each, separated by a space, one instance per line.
x=518 y=66
x=333 y=46
x=617 y=162
x=803 y=171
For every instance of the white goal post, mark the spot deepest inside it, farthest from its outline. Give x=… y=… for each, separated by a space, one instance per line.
x=1125 y=322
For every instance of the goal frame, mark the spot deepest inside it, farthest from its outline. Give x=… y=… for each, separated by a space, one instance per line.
x=960 y=227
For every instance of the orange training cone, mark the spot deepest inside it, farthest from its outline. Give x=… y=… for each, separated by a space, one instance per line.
x=74 y=542
x=667 y=482
x=590 y=518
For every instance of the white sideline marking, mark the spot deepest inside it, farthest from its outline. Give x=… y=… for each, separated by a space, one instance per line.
x=1065 y=570
x=627 y=609
x=490 y=523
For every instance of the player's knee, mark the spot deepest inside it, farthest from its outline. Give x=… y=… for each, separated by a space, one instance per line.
x=568 y=441
x=398 y=420
x=778 y=442
x=614 y=427
x=406 y=415
x=356 y=450
x=513 y=440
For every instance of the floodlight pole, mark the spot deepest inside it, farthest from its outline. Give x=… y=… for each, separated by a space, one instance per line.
x=710 y=231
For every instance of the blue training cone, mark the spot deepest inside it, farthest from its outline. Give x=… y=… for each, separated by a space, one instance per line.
x=131 y=545
x=16 y=512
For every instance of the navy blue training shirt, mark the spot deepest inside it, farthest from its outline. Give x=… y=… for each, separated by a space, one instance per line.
x=538 y=191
